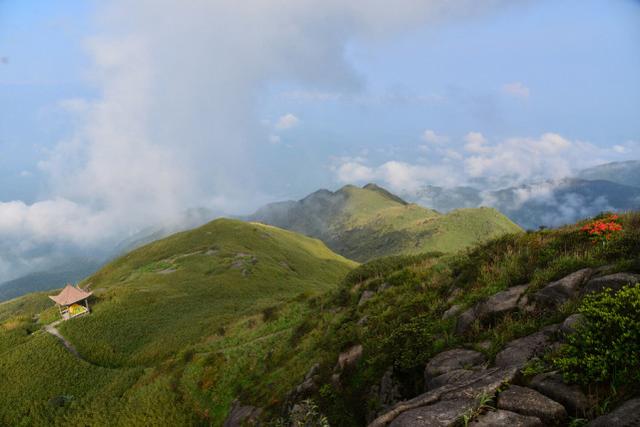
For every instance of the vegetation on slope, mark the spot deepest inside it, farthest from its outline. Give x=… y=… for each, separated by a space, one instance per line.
x=369 y=222
x=402 y=326
x=167 y=313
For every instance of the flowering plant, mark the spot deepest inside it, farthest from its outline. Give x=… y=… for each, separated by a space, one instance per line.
x=603 y=230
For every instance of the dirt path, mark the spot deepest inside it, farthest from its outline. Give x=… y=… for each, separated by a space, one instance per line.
x=51 y=328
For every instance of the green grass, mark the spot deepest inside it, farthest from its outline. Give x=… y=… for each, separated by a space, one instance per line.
x=404 y=325
x=183 y=326
x=367 y=223
x=158 y=312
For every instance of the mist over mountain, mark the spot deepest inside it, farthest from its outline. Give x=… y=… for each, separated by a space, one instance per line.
x=369 y=222
x=609 y=187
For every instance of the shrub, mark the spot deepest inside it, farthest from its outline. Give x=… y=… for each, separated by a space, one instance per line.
x=606 y=347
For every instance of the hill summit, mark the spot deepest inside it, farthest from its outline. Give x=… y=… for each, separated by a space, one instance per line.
x=369 y=222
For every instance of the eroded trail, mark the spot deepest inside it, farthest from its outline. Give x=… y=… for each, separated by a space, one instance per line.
x=51 y=328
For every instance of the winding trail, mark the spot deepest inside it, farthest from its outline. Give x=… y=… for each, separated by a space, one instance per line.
x=51 y=328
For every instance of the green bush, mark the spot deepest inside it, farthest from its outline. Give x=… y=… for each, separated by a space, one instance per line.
x=606 y=347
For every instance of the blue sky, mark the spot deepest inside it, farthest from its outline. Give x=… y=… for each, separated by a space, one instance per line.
x=115 y=115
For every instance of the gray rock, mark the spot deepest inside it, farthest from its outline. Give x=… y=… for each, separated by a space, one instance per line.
x=366 y=296
x=570 y=323
x=242 y=415
x=457 y=358
x=518 y=352
x=485 y=382
x=526 y=401
x=386 y=393
x=441 y=414
x=502 y=302
x=614 y=281
x=551 y=385
x=502 y=418
x=497 y=305
x=625 y=415
x=457 y=375
x=312 y=371
x=466 y=319
x=349 y=358
x=558 y=292
x=454 y=310
x=445 y=405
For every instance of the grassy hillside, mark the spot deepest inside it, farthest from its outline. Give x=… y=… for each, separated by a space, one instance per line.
x=369 y=222
x=155 y=312
x=401 y=324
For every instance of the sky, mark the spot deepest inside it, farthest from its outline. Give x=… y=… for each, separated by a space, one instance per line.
x=117 y=115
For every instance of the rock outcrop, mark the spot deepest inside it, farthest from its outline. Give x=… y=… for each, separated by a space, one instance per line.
x=518 y=352
x=505 y=418
x=497 y=305
x=450 y=360
x=526 y=401
x=446 y=405
x=557 y=293
x=242 y=415
x=613 y=281
x=571 y=396
x=626 y=415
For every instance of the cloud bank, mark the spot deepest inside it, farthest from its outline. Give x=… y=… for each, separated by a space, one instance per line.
x=175 y=125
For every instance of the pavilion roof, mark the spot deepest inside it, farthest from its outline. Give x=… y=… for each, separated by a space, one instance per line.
x=69 y=295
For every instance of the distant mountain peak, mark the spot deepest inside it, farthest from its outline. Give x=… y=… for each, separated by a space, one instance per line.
x=375 y=187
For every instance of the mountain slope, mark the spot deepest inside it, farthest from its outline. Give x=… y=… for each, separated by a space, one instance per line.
x=500 y=307
x=204 y=286
x=608 y=187
x=625 y=173
x=369 y=222
x=70 y=271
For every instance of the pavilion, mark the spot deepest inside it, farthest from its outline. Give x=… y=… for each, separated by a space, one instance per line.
x=69 y=301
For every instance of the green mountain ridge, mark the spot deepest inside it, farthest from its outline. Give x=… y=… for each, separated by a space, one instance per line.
x=370 y=222
x=152 y=308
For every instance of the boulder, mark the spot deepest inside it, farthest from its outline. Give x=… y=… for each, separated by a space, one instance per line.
x=349 y=358
x=502 y=302
x=614 y=281
x=502 y=418
x=570 y=323
x=447 y=404
x=466 y=319
x=551 y=385
x=441 y=414
x=558 y=292
x=457 y=358
x=454 y=310
x=497 y=305
x=526 y=401
x=242 y=415
x=625 y=415
x=366 y=296
x=486 y=382
x=518 y=352
x=308 y=385
x=457 y=375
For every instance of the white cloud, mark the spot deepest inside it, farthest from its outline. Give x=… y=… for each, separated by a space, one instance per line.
x=516 y=89
x=287 y=122
x=475 y=143
x=353 y=171
x=174 y=125
x=511 y=162
x=621 y=149
x=432 y=137
x=549 y=156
